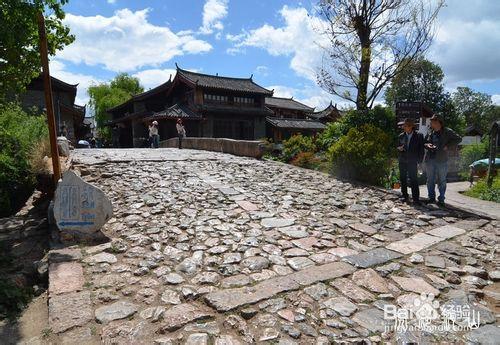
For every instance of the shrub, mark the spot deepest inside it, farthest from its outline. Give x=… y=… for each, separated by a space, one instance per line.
x=471 y=153
x=363 y=154
x=380 y=117
x=19 y=133
x=297 y=144
x=481 y=191
x=332 y=133
x=306 y=160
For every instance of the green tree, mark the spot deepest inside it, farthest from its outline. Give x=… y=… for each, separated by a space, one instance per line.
x=474 y=107
x=19 y=53
x=423 y=81
x=107 y=95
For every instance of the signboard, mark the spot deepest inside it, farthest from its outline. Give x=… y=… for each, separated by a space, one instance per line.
x=80 y=206
x=412 y=110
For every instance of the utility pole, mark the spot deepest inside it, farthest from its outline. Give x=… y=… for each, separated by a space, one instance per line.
x=48 y=98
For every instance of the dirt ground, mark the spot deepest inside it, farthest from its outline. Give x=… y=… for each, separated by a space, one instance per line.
x=31 y=327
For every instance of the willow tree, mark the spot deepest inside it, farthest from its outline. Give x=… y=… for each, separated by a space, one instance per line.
x=369 y=42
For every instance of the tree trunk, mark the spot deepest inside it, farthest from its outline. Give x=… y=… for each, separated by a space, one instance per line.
x=363 y=31
x=364 y=72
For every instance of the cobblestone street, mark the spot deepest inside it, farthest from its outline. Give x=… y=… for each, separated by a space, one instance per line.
x=208 y=248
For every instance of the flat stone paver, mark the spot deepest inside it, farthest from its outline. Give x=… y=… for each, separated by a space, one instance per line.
x=414 y=243
x=233 y=298
x=211 y=248
x=372 y=257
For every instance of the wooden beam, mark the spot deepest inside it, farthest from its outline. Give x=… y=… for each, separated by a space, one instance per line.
x=49 y=105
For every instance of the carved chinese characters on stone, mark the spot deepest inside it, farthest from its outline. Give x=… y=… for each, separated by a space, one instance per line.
x=79 y=206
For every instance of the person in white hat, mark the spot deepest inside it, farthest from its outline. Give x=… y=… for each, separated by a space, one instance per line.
x=153 y=134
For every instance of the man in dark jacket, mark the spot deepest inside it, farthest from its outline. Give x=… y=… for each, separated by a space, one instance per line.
x=437 y=144
x=411 y=153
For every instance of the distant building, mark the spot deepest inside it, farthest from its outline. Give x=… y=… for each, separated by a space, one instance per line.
x=210 y=106
x=68 y=115
x=329 y=114
x=290 y=117
x=472 y=136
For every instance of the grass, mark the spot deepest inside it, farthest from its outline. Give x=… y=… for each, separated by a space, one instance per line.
x=481 y=191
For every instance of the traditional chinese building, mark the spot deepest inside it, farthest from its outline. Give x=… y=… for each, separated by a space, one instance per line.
x=209 y=105
x=329 y=114
x=68 y=115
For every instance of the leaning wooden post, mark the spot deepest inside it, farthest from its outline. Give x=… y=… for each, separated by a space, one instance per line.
x=493 y=152
x=48 y=98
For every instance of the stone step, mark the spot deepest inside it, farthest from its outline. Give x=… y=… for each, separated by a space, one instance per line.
x=225 y=300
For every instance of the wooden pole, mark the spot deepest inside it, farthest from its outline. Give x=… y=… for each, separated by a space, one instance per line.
x=493 y=152
x=48 y=98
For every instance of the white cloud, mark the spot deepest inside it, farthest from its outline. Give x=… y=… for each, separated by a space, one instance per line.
x=125 y=41
x=213 y=13
x=262 y=70
x=111 y=2
x=298 y=38
x=496 y=99
x=467 y=40
x=151 y=78
x=58 y=70
x=197 y=46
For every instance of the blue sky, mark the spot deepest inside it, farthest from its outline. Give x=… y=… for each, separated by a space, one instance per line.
x=272 y=39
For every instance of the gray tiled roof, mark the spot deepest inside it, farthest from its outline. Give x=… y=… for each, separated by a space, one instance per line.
x=223 y=83
x=295 y=123
x=287 y=103
x=318 y=115
x=176 y=111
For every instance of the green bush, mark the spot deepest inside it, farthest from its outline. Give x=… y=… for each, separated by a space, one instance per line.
x=297 y=144
x=332 y=133
x=19 y=133
x=481 y=191
x=471 y=153
x=364 y=154
x=380 y=117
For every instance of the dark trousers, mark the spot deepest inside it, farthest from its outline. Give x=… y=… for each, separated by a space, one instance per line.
x=408 y=170
x=180 y=140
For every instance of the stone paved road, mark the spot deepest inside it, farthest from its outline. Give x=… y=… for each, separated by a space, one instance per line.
x=218 y=249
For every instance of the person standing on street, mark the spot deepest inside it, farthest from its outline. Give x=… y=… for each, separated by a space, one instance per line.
x=153 y=134
x=411 y=153
x=437 y=143
x=181 y=132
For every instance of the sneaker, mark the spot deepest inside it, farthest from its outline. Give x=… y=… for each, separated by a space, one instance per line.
x=440 y=203
x=431 y=201
x=417 y=203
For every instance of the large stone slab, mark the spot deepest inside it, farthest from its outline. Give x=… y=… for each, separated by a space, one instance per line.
x=371 y=319
x=487 y=335
x=350 y=289
x=446 y=232
x=116 y=311
x=415 y=284
x=229 y=299
x=414 y=243
x=65 y=277
x=182 y=314
x=277 y=222
x=69 y=310
x=372 y=257
x=79 y=206
x=364 y=228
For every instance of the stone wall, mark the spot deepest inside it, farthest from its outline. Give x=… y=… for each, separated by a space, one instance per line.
x=247 y=148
